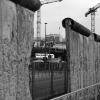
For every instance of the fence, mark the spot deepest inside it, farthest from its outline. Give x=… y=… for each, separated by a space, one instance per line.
x=48 y=79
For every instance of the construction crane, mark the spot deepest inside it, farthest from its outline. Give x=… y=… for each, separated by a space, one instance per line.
x=39 y=19
x=92 y=12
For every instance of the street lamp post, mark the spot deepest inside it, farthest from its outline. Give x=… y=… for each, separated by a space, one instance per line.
x=45 y=39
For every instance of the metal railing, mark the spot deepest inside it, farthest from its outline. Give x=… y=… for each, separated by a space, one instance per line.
x=91 y=92
x=47 y=79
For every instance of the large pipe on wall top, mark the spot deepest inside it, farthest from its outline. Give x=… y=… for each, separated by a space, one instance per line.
x=32 y=5
x=76 y=26
x=96 y=37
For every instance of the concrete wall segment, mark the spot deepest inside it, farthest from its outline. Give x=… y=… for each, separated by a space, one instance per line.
x=16 y=32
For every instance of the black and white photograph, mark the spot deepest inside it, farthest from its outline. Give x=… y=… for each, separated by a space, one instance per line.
x=49 y=49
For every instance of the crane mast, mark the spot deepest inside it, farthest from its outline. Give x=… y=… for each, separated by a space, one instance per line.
x=92 y=12
x=93 y=22
x=39 y=19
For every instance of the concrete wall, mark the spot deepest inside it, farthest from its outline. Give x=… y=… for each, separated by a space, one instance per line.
x=83 y=56
x=83 y=65
x=16 y=32
x=84 y=60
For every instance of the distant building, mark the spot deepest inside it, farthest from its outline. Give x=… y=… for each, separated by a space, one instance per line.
x=60 y=46
x=53 y=38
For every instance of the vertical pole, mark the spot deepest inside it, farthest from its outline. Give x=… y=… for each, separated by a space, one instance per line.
x=52 y=68
x=65 y=77
x=33 y=80
x=59 y=33
x=45 y=39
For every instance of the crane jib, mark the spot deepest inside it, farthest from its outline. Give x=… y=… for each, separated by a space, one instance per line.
x=92 y=12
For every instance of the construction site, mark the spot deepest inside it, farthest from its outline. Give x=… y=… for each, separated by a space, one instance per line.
x=53 y=69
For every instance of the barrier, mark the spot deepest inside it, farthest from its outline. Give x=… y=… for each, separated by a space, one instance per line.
x=47 y=79
x=83 y=61
x=16 y=38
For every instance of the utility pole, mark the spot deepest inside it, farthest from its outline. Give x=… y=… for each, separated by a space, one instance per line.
x=45 y=38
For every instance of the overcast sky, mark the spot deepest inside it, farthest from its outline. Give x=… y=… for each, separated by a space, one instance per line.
x=54 y=13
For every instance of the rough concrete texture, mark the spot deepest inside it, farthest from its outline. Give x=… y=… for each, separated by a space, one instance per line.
x=83 y=61
x=83 y=64
x=16 y=32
